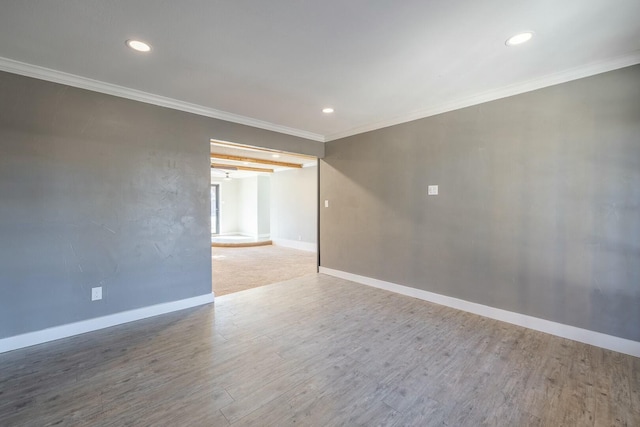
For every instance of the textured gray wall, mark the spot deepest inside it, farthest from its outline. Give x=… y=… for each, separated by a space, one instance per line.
x=538 y=212
x=98 y=190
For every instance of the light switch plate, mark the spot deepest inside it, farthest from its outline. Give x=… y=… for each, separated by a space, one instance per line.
x=432 y=190
x=326 y=203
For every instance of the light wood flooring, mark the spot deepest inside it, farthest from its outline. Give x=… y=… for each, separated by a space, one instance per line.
x=318 y=351
x=238 y=269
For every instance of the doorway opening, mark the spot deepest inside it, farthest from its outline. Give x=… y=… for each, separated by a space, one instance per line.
x=215 y=210
x=265 y=218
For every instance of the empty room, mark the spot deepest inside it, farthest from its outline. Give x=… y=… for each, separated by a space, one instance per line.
x=475 y=212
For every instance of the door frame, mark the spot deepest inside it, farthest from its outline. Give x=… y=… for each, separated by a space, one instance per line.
x=215 y=187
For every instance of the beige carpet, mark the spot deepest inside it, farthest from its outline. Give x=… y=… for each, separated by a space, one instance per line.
x=237 y=269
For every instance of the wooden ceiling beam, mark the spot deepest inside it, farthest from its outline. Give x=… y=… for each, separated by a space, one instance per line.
x=240 y=168
x=235 y=146
x=252 y=160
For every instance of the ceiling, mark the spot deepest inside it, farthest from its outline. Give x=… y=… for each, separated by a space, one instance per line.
x=275 y=64
x=243 y=161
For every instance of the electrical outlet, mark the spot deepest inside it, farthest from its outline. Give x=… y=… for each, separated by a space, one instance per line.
x=96 y=293
x=432 y=190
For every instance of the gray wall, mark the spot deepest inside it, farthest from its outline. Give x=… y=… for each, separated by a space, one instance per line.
x=294 y=205
x=98 y=190
x=538 y=212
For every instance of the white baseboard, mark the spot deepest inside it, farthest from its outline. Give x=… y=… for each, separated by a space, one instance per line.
x=586 y=336
x=296 y=244
x=71 y=329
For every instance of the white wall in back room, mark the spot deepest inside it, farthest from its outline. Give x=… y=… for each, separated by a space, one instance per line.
x=294 y=208
x=228 y=205
x=245 y=205
x=248 y=206
x=264 y=206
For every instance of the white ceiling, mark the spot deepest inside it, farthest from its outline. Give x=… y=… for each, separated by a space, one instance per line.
x=275 y=64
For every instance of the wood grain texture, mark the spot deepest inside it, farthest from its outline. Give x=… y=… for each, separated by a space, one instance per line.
x=254 y=160
x=318 y=351
x=239 y=168
x=239 y=269
x=241 y=244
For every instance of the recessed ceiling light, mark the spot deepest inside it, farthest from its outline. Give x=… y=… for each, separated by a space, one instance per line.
x=519 y=38
x=138 y=45
x=275 y=156
x=327 y=110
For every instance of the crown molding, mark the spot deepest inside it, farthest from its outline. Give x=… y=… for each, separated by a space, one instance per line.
x=42 y=73
x=576 y=73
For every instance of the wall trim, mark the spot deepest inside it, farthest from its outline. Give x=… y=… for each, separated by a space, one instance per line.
x=42 y=73
x=89 y=325
x=296 y=244
x=586 y=336
x=553 y=79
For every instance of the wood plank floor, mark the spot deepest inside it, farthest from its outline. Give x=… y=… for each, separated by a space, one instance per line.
x=239 y=269
x=318 y=351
